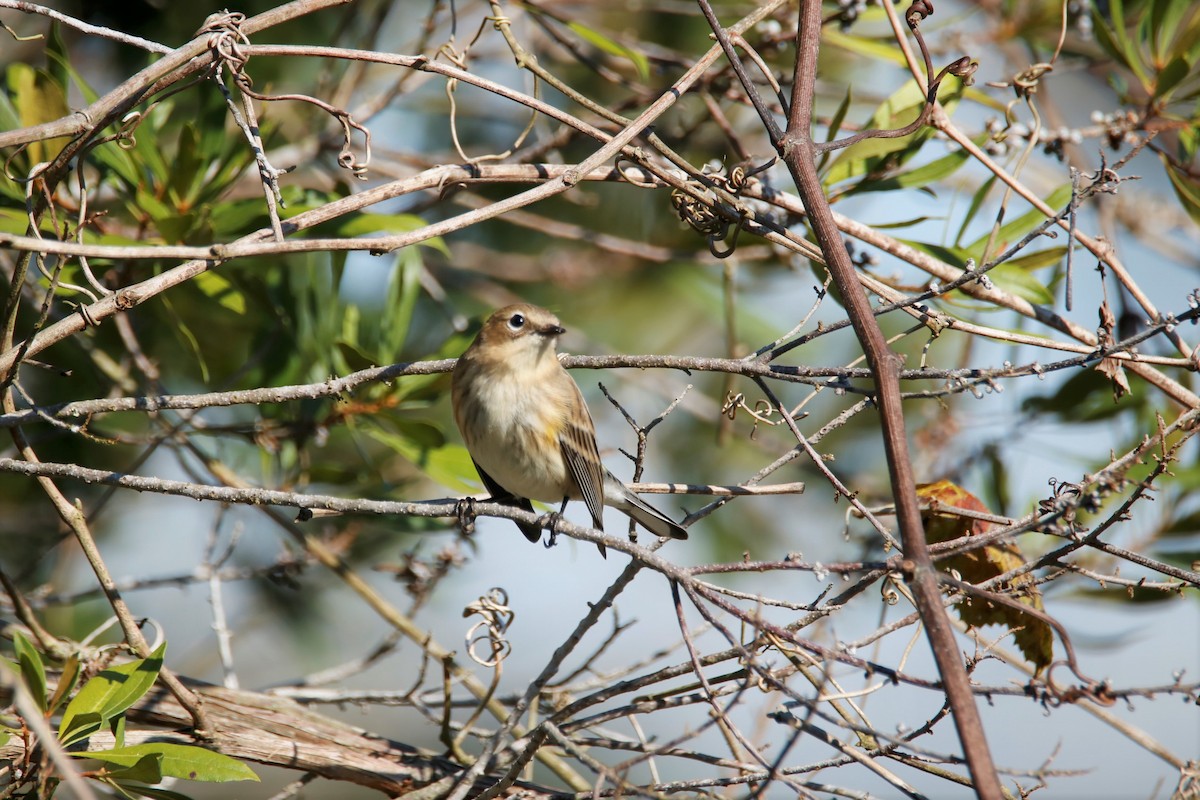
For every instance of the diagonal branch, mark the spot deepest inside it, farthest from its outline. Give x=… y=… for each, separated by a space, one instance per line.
x=799 y=153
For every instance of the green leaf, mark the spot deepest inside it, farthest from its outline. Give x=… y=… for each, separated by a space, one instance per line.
x=225 y=158
x=870 y=155
x=1039 y=260
x=900 y=224
x=897 y=111
x=955 y=256
x=1187 y=189
x=1170 y=76
x=613 y=48
x=58 y=57
x=918 y=177
x=1015 y=280
x=839 y=116
x=433 y=386
x=404 y=287
x=147 y=141
x=1160 y=15
x=1170 y=33
x=1106 y=36
x=351 y=326
x=184 y=332
x=1189 y=141
x=110 y=692
x=145 y=768
x=1129 y=49
x=1011 y=232
x=155 y=792
x=235 y=218
x=218 y=287
x=146 y=206
x=365 y=224
x=117 y=726
x=835 y=125
x=38 y=98
x=354 y=357
x=67 y=680
x=179 y=761
x=119 y=161
x=10 y=121
x=1192 y=51
x=185 y=171
x=33 y=670
x=976 y=202
x=879 y=49
x=449 y=464
x=78 y=727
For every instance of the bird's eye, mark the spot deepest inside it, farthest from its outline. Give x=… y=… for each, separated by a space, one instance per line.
x=516 y=322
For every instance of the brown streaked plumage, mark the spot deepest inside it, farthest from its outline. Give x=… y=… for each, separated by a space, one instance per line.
x=527 y=427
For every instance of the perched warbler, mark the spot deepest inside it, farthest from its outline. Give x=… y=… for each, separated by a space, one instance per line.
x=527 y=427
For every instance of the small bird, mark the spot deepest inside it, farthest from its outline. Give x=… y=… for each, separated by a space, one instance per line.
x=527 y=427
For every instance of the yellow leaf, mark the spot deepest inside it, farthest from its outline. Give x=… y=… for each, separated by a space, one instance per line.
x=37 y=98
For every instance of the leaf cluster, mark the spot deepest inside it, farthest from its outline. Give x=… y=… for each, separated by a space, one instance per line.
x=99 y=703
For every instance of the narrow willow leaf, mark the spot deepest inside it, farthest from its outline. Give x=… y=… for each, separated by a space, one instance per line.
x=1013 y=230
x=113 y=690
x=879 y=49
x=1015 y=280
x=33 y=669
x=1170 y=76
x=404 y=287
x=613 y=48
x=976 y=202
x=1130 y=53
x=918 y=177
x=1039 y=260
x=449 y=465
x=179 y=761
x=67 y=680
x=132 y=790
x=146 y=768
x=901 y=108
x=218 y=287
x=38 y=98
x=1187 y=190
x=835 y=125
x=79 y=726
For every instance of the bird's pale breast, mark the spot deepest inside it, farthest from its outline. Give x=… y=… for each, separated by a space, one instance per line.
x=512 y=428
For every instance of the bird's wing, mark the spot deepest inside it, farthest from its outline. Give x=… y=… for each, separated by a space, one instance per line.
x=501 y=495
x=578 y=444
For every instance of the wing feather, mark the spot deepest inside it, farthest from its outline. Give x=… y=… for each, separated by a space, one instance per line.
x=578 y=444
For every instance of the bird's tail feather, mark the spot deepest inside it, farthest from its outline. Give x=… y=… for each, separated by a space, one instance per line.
x=640 y=511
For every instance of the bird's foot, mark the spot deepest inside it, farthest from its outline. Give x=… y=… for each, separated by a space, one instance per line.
x=550 y=521
x=464 y=514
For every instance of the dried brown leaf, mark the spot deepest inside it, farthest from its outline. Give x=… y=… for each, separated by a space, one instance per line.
x=1032 y=636
x=1112 y=368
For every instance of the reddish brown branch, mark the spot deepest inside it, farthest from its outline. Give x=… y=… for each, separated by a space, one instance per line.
x=799 y=153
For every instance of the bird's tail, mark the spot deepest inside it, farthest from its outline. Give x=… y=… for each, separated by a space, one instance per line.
x=617 y=495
